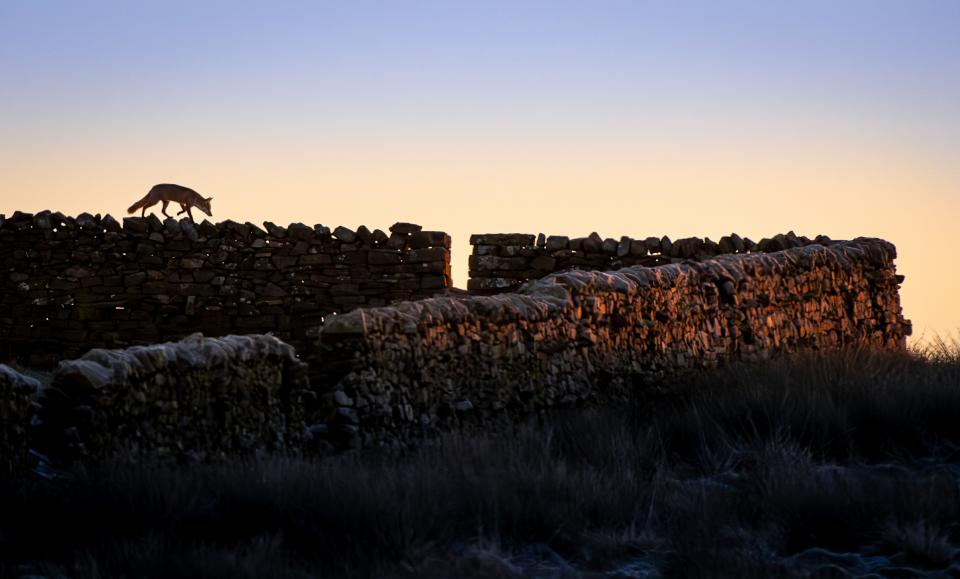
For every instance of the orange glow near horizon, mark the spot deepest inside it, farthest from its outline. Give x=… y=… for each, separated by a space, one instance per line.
x=629 y=118
x=552 y=189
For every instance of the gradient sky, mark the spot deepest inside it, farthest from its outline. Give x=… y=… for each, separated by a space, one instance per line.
x=628 y=118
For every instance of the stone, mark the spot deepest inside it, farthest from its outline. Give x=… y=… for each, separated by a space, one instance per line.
x=428 y=254
x=424 y=239
x=135 y=225
x=405 y=228
x=593 y=243
x=383 y=257
x=273 y=230
x=544 y=263
x=557 y=242
x=344 y=234
x=397 y=241
x=666 y=246
x=737 y=242
x=110 y=224
x=770 y=245
x=710 y=247
x=153 y=222
x=87 y=221
x=490 y=262
x=725 y=245
x=208 y=229
x=518 y=239
x=487 y=284
x=365 y=235
x=300 y=232
x=187 y=227
x=76 y=272
x=341 y=399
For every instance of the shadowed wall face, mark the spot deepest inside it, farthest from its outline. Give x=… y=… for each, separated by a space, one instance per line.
x=69 y=285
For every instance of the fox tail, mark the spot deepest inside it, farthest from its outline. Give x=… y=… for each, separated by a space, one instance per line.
x=143 y=202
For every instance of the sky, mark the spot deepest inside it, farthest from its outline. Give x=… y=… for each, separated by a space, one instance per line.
x=637 y=118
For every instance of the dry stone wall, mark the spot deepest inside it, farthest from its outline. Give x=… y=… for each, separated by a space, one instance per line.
x=70 y=284
x=196 y=399
x=502 y=262
x=17 y=398
x=389 y=373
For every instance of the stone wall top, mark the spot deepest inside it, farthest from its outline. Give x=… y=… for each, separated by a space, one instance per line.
x=501 y=262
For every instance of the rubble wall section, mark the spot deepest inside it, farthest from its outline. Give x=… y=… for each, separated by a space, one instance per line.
x=71 y=284
x=197 y=399
x=580 y=336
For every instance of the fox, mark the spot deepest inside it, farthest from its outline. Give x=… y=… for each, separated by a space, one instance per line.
x=167 y=192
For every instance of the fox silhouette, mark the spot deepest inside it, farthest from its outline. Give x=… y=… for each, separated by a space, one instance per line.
x=167 y=192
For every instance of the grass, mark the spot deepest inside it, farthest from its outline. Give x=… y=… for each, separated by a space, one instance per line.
x=812 y=465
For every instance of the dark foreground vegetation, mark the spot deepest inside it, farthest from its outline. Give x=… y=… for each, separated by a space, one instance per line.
x=822 y=465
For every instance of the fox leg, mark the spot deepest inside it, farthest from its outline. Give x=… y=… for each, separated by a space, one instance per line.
x=185 y=208
x=164 y=208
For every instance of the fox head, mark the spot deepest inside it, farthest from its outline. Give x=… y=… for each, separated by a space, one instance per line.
x=205 y=205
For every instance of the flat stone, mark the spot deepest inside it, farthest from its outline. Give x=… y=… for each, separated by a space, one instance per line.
x=557 y=242
x=405 y=228
x=521 y=239
x=135 y=225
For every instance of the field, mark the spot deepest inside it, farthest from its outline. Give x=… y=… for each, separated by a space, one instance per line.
x=817 y=465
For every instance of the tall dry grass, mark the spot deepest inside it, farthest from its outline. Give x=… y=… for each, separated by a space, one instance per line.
x=846 y=460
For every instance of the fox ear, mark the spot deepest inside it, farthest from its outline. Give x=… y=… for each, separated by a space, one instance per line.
x=209 y=199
